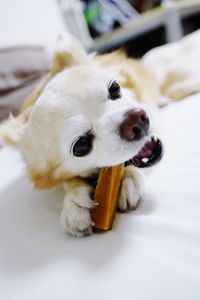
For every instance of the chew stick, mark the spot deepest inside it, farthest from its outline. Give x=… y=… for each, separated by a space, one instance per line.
x=106 y=194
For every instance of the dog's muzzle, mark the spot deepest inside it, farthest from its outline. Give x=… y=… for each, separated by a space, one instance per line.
x=134 y=127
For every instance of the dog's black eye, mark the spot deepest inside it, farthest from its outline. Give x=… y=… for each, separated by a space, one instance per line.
x=83 y=146
x=114 y=90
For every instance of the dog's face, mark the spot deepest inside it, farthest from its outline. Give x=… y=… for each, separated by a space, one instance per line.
x=82 y=121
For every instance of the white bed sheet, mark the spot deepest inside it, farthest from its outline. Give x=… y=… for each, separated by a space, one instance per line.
x=151 y=253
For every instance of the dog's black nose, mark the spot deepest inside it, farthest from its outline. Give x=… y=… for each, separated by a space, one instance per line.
x=135 y=125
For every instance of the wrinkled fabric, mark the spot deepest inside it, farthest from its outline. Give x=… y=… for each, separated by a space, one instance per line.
x=21 y=69
x=176 y=66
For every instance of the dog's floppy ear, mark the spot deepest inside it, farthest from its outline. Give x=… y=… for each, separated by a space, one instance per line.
x=12 y=129
x=68 y=53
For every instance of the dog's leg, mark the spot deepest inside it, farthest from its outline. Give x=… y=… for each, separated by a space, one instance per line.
x=75 y=215
x=131 y=189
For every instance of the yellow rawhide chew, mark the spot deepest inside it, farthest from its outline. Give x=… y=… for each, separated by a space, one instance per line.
x=106 y=194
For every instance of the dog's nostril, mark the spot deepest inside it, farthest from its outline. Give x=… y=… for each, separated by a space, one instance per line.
x=138 y=133
x=144 y=117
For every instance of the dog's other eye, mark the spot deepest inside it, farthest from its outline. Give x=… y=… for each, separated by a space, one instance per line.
x=114 y=90
x=83 y=146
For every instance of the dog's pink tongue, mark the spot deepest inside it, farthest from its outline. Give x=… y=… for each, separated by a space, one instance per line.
x=146 y=151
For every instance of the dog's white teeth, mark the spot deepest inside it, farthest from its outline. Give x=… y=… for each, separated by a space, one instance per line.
x=154 y=138
x=145 y=159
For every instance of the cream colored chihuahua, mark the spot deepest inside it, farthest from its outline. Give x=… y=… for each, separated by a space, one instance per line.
x=90 y=112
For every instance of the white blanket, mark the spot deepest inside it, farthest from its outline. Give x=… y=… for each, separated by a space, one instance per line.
x=151 y=253
x=176 y=66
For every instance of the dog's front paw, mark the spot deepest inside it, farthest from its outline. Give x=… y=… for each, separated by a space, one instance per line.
x=75 y=215
x=131 y=189
x=78 y=222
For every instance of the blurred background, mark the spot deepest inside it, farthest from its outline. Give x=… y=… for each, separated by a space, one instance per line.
x=29 y=30
x=101 y=25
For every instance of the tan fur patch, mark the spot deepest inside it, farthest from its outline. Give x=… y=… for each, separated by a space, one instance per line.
x=133 y=76
x=31 y=99
x=47 y=180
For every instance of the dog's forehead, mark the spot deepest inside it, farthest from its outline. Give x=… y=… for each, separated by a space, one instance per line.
x=83 y=81
x=75 y=90
x=81 y=90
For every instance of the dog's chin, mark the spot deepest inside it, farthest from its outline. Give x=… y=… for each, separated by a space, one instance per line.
x=149 y=155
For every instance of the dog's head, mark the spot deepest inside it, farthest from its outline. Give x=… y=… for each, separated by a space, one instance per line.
x=83 y=120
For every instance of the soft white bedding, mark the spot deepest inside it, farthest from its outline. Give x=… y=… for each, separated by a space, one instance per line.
x=151 y=253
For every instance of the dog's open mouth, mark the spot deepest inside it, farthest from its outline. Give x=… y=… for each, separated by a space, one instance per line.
x=150 y=154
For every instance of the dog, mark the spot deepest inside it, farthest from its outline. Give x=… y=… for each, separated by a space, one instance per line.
x=91 y=111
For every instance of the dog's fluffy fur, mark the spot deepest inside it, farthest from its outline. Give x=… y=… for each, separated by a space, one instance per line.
x=71 y=101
